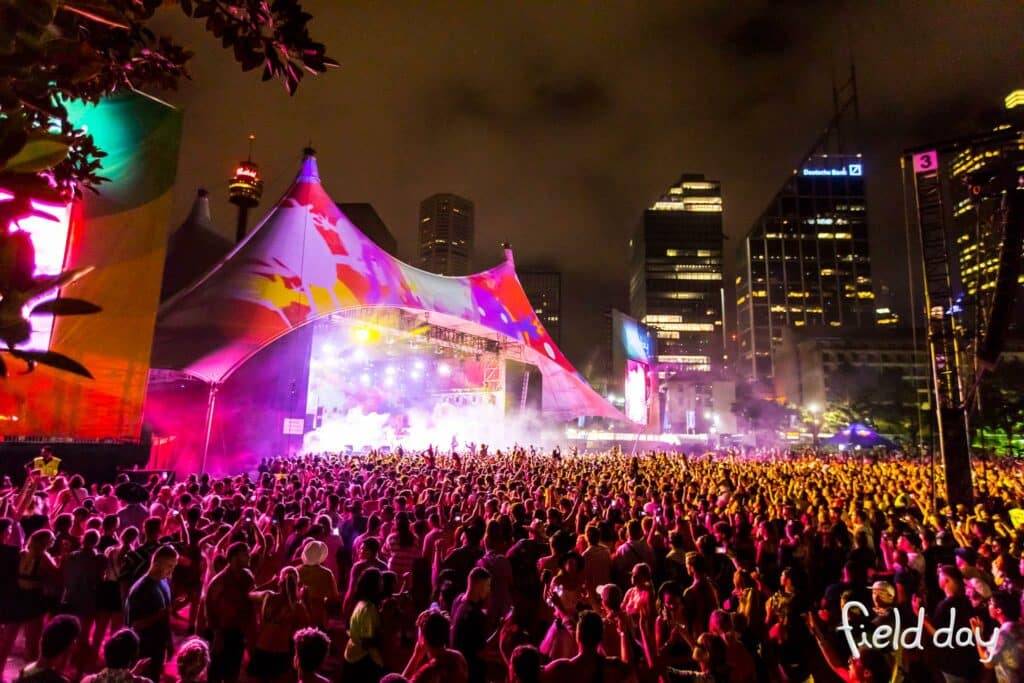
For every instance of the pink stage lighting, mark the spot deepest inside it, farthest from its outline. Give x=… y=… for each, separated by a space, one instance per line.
x=50 y=239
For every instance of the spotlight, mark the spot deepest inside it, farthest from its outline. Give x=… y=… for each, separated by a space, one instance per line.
x=360 y=354
x=361 y=333
x=415 y=374
x=390 y=370
x=365 y=379
x=327 y=349
x=418 y=365
x=389 y=381
x=444 y=369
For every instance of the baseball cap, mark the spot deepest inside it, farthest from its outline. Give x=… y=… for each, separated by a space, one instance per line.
x=981 y=587
x=611 y=595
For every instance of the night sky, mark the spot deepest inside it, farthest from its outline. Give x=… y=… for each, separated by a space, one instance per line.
x=563 y=121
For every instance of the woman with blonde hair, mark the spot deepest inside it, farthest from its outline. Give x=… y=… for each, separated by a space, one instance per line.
x=281 y=614
x=192 y=660
x=36 y=573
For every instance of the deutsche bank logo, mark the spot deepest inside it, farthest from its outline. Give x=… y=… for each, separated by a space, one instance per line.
x=855 y=169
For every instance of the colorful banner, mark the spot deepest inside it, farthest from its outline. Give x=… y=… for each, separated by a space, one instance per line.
x=122 y=232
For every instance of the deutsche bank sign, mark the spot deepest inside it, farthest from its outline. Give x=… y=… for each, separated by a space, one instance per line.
x=850 y=170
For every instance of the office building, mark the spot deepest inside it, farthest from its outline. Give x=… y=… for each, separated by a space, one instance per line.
x=366 y=219
x=446 y=234
x=975 y=179
x=822 y=366
x=805 y=262
x=544 y=290
x=675 y=283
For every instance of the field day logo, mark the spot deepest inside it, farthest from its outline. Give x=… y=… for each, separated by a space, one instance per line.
x=896 y=637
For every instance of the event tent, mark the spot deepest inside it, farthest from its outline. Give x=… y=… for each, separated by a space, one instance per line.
x=857 y=434
x=306 y=260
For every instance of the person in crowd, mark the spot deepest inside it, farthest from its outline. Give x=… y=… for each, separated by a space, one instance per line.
x=463 y=558
x=57 y=642
x=565 y=593
x=597 y=559
x=281 y=613
x=403 y=548
x=469 y=634
x=148 y=611
x=311 y=646
x=82 y=572
x=631 y=553
x=498 y=566
x=229 y=614
x=739 y=661
x=363 y=659
x=525 y=665
x=1006 y=656
x=368 y=559
x=959 y=662
x=432 y=660
x=36 y=571
x=121 y=657
x=700 y=597
x=319 y=587
x=590 y=664
x=192 y=660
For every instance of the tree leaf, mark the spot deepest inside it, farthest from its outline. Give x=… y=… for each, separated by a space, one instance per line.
x=52 y=359
x=38 y=154
x=65 y=306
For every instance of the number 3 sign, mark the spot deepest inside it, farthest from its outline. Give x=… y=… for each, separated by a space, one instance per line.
x=926 y=162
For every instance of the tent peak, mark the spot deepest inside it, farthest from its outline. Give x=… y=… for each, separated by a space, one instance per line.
x=309 y=173
x=199 y=214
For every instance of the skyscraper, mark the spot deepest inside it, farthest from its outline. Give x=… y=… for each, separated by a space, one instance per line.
x=675 y=282
x=369 y=222
x=973 y=167
x=446 y=234
x=805 y=261
x=544 y=290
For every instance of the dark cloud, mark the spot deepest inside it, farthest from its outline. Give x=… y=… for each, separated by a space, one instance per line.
x=571 y=100
x=763 y=35
x=455 y=102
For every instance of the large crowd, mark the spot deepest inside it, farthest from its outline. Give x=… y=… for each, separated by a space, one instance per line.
x=516 y=565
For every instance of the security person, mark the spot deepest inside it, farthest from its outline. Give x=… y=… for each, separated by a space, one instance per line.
x=46 y=462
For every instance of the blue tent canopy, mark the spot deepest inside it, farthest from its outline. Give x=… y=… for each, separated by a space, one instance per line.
x=857 y=434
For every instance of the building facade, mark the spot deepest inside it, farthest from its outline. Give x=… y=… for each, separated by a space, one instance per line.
x=805 y=261
x=675 y=283
x=976 y=184
x=446 y=234
x=822 y=366
x=365 y=217
x=544 y=290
